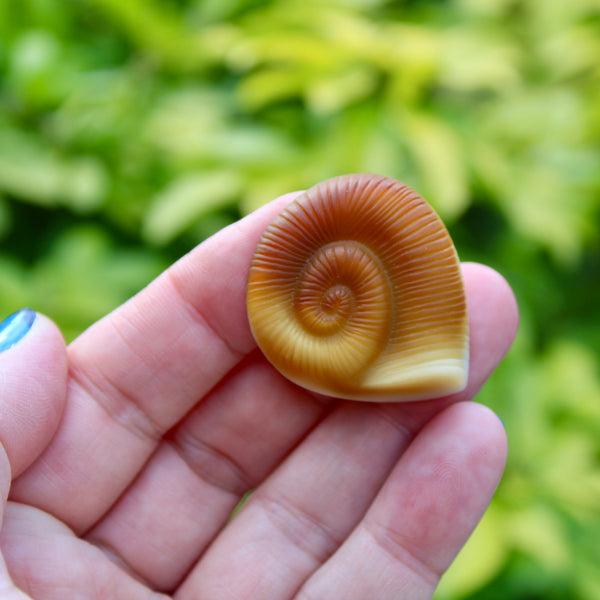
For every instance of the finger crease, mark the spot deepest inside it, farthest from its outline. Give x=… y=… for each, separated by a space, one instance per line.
x=393 y=545
x=303 y=529
x=396 y=423
x=121 y=407
x=211 y=465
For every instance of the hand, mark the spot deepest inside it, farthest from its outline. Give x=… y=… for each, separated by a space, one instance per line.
x=129 y=450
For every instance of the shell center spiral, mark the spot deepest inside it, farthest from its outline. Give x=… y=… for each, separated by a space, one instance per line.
x=325 y=300
x=337 y=300
x=341 y=281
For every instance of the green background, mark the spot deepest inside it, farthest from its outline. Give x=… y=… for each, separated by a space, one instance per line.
x=130 y=130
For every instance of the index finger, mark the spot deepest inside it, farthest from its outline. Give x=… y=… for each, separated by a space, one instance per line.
x=139 y=370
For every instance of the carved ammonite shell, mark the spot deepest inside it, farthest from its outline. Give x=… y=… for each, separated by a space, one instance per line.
x=355 y=291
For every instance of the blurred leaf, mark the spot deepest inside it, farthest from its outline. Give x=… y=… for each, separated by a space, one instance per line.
x=185 y=200
x=535 y=119
x=101 y=108
x=34 y=53
x=36 y=71
x=263 y=87
x=572 y=52
x=571 y=475
x=478 y=58
x=487 y=8
x=157 y=28
x=194 y=125
x=588 y=580
x=337 y=91
x=537 y=207
x=264 y=191
x=38 y=174
x=572 y=383
x=438 y=154
x=538 y=531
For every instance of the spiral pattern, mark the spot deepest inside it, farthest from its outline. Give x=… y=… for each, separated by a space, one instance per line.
x=344 y=298
x=355 y=291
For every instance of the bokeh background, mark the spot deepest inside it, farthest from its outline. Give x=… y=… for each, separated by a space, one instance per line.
x=130 y=130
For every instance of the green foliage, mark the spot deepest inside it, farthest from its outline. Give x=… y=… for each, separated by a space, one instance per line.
x=131 y=130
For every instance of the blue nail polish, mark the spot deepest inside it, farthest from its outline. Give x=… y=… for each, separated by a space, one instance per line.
x=13 y=328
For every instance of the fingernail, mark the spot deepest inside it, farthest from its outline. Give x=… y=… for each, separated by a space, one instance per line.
x=13 y=328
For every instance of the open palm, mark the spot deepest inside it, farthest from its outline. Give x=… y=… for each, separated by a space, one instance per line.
x=129 y=450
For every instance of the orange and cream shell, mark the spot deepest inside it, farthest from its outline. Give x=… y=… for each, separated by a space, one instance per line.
x=355 y=291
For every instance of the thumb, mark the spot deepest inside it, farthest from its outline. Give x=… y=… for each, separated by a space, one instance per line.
x=33 y=381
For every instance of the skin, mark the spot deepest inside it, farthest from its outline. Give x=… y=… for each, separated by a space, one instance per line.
x=123 y=455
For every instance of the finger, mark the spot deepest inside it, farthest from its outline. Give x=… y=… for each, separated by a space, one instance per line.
x=427 y=509
x=490 y=299
x=314 y=500
x=32 y=392
x=135 y=373
x=188 y=490
x=8 y=590
x=35 y=547
x=33 y=376
x=46 y=560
